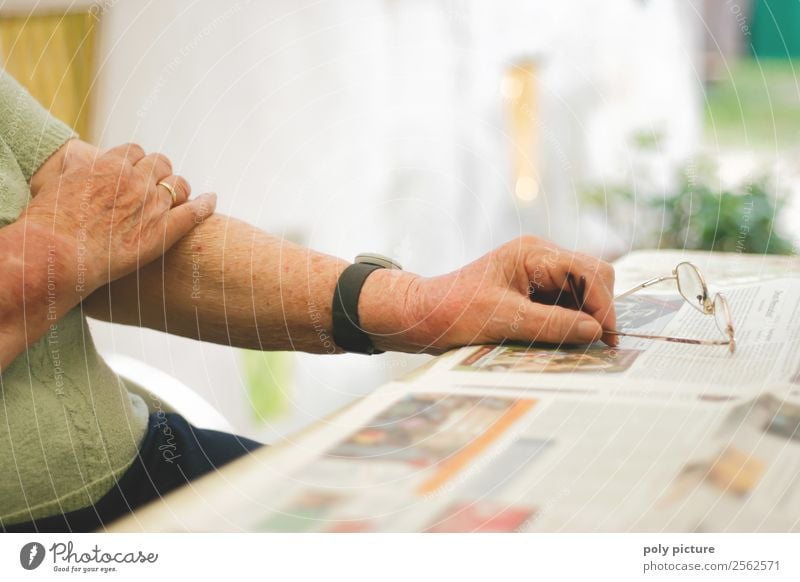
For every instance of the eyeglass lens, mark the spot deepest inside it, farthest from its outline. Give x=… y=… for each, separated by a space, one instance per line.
x=721 y=314
x=691 y=286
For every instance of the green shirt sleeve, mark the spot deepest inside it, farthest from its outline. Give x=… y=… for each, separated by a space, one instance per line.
x=30 y=132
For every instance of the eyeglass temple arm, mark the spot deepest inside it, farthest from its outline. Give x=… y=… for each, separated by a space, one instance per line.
x=646 y=284
x=667 y=338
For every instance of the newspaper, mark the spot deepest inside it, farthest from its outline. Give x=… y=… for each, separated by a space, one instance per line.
x=646 y=436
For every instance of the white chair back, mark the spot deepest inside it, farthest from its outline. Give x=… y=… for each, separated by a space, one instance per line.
x=162 y=392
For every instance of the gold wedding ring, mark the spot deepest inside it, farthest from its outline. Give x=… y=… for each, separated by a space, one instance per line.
x=171 y=191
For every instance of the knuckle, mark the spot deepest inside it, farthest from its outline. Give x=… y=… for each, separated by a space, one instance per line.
x=123 y=152
x=162 y=160
x=182 y=186
x=517 y=244
x=131 y=149
x=590 y=262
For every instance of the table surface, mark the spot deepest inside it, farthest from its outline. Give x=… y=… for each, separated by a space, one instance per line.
x=205 y=504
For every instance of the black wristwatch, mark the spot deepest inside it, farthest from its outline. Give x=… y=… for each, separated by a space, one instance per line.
x=347 y=332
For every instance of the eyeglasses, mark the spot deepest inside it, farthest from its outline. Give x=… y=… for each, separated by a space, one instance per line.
x=692 y=287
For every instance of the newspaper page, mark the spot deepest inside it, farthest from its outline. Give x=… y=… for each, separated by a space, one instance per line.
x=472 y=460
x=766 y=318
x=748 y=482
x=646 y=436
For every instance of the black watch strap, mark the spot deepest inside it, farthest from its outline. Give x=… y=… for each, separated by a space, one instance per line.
x=347 y=332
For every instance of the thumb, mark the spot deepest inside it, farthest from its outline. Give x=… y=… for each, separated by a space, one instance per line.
x=538 y=322
x=183 y=218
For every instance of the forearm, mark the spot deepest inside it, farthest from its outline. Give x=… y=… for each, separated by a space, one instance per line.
x=230 y=283
x=39 y=287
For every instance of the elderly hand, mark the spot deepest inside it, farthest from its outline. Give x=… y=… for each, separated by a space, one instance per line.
x=105 y=214
x=513 y=293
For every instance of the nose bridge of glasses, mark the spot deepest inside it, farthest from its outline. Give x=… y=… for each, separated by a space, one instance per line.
x=708 y=306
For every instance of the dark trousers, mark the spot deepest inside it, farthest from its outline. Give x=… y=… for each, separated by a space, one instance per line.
x=172 y=454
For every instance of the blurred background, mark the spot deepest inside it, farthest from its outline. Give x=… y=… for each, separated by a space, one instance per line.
x=430 y=131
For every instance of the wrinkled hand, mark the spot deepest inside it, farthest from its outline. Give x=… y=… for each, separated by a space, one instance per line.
x=517 y=292
x=105 y=212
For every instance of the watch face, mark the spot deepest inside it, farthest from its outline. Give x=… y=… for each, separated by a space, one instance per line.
x=378 y=260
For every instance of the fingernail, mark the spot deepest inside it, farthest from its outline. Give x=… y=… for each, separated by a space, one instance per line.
x=210 y=199
x=589 y=331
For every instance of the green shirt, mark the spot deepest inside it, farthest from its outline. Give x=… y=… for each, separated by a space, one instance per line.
x=68 y=426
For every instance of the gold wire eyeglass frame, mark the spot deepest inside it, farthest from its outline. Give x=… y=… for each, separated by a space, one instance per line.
x=705 y=304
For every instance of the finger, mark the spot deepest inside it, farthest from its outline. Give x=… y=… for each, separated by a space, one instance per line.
x=599 y=293
x=549 y=272
x=128 y=151
x=183 y=218
x=604 y=270
x=547 y=266
x=179 y=185
x=598 y=278
x=535 y=322
x=155 y=167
